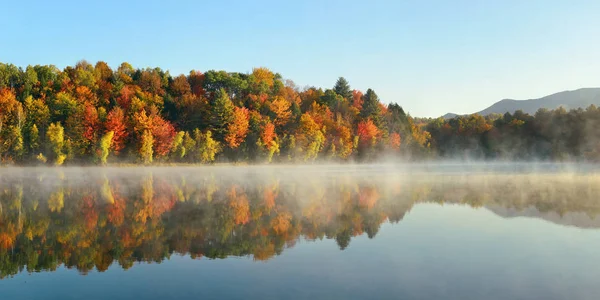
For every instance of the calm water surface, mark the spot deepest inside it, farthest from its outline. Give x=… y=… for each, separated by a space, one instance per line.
x=355 y=232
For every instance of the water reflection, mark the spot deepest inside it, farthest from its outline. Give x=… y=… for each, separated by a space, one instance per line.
x=93 y=218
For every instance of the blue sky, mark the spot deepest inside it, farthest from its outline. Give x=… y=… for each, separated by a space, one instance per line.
x=431 y=57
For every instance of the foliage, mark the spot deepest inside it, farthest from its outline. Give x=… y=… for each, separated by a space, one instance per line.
x=115 y=122
x=207 y=147
x=178 y=149
x=105 y=145
x=342 y=88
x=238 y=128
x=146 y=152
x=56 y=139
x=255 y=117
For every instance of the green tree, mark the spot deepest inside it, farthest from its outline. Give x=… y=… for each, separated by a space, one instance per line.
x=371 y=107
x=85 y=75
x=16 y=140
x=62 y=106
x=397 y=120
x=342 y=88
x=222 y=113
x=46 y=76
x=10 y=76
x=330 y=99
x=30 y=79
x=37 y=113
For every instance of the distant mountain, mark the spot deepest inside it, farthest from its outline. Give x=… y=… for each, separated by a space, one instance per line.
x=449 y=116
x=567 y=99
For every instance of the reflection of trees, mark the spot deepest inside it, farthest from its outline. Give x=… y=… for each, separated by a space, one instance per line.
x=94 y=220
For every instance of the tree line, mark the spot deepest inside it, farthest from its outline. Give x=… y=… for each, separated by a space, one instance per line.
x=92 y=114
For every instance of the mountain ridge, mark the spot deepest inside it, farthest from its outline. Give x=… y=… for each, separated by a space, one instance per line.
x=572 y=99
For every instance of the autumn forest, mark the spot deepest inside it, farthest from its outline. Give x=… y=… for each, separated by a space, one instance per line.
x=92 y=114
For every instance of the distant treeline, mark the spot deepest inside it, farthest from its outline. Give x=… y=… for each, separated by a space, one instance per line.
x=548 y=135
x=93 y=114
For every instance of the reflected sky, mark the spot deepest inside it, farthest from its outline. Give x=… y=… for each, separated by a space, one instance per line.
x=268 y=234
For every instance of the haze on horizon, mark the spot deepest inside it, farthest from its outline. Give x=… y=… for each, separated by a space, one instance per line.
x=430 y=57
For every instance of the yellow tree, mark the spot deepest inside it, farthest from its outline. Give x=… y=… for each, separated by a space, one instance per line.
x=56 y=137
x=105 y=145
x=238 y=128
x=263 y=76
x=12 y=119
x=146 y=145
x=311 y=138
x=281 y=108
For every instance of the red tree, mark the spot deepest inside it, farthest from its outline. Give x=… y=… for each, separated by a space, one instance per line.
x=115 y=121
x=357 y=99
x=367 y=131
x=268 y=134
x=196 y=80
x=163 y=132
x=91 y=123
x=124 y=99
x=238 y=129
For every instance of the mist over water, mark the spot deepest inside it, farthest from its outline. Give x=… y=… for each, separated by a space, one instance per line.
x=416 y=231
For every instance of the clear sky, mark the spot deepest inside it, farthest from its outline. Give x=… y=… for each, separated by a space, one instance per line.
x=431 y=57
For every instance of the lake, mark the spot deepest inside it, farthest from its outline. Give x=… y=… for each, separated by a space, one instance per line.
x=415 y=231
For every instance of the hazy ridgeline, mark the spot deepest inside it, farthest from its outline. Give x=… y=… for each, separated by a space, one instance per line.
x=92 y=114
x=91 y=218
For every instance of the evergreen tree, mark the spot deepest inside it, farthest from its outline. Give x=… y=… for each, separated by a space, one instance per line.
x=222 y=113
x=342 y=88
x=370 y=108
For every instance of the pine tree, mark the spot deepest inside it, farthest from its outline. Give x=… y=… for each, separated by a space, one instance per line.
x=370 y=108
x=342 y=88
x=222 y=113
